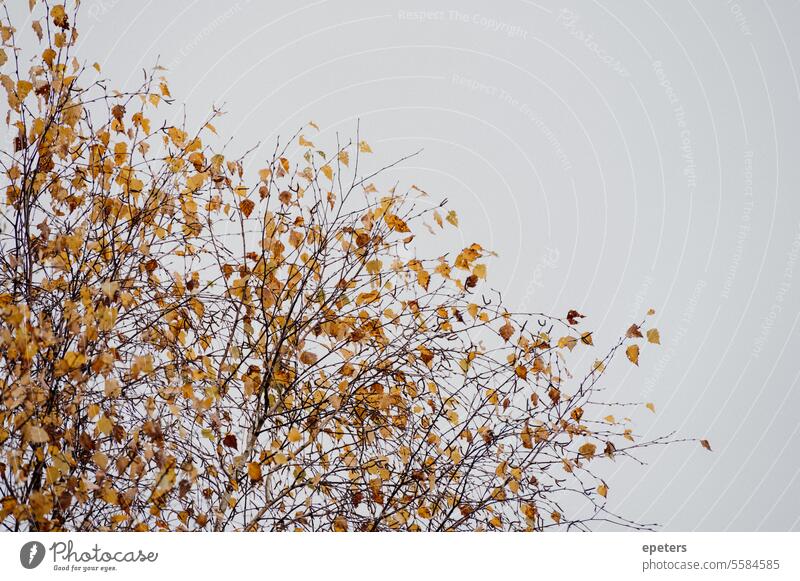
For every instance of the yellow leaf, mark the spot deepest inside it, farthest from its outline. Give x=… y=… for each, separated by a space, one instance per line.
x=602 y=490
x=308 y=358
x=104 y=425
x=198 y=307
x=367 y=298
x=452 y=218
x=653 y=336
x=73 y=359
x=59 y=16
x=100 y=459
x=326 y=169
x=529 y=510
x=294 y=435
x=651 y=407
x=164 y=482
x=41 y=504
x=111 y=388
x=340 y=524
x=568 y=342
x=364 y=147
x=633 y=354
x=397 y=224
x=254 y=471
x=36 y=435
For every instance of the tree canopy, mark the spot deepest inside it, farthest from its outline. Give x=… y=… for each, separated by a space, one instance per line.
x=187 y=346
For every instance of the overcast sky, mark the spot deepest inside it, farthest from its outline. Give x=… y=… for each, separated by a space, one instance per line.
x=616 y=156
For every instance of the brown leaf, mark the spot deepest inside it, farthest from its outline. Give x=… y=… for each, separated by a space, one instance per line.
x=573 y=316
x=118 y=111
x=246 y=206
x=587 y=450
x=633 y=331
x=705 y=444
x=506 y=331
x=36 y=434
x=308 y=358
x=59 y=15
x=230 y=441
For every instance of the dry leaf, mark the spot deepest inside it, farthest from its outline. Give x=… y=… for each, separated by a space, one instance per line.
x=633 y=354
x=246 y=206
x=633 y=331
x=254 y=471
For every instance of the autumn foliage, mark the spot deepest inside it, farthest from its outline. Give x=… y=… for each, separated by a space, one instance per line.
x=187 y=346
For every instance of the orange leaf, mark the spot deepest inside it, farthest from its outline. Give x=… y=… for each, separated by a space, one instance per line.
x=254 y=471
x=246 y=206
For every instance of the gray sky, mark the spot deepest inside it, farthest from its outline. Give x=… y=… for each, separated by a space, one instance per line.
x=617 y=156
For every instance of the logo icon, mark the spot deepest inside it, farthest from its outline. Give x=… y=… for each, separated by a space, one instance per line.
x=31 y=554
